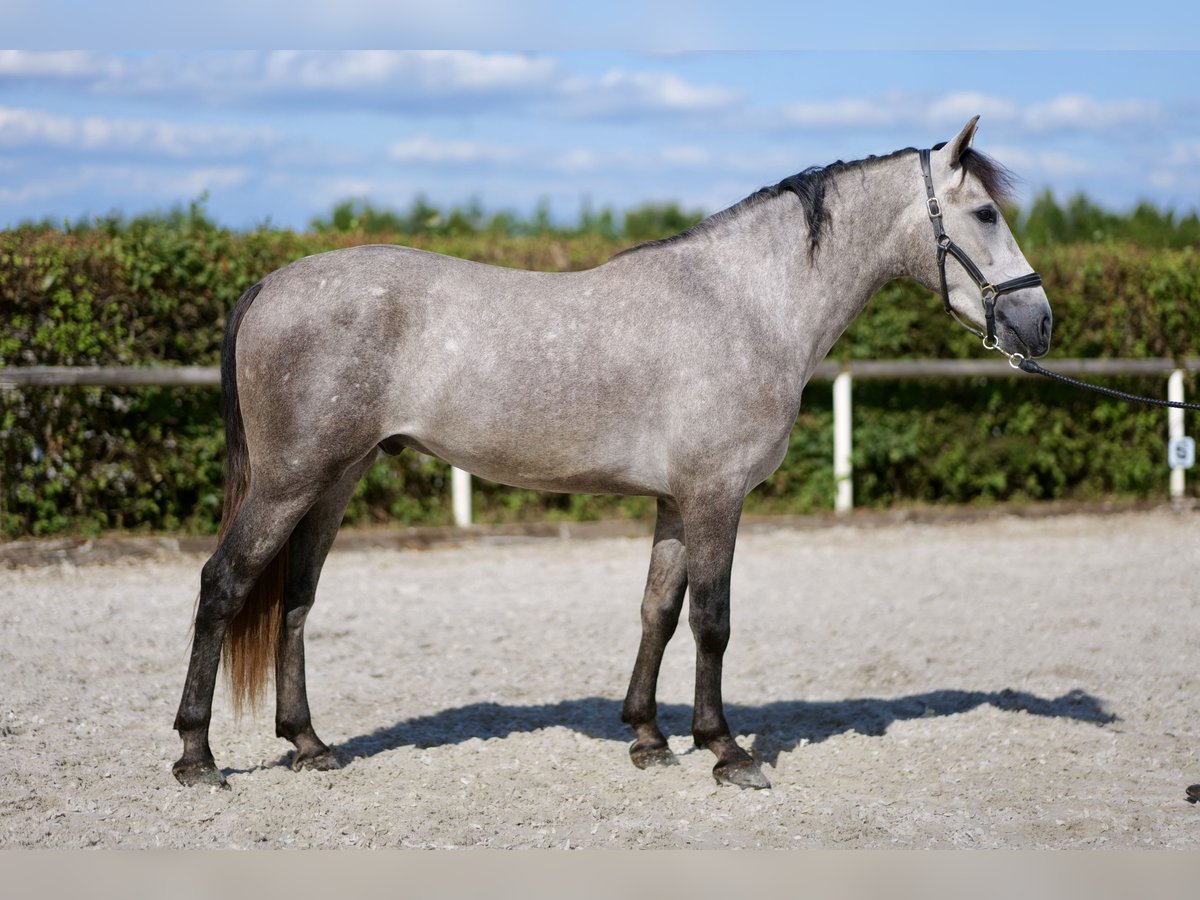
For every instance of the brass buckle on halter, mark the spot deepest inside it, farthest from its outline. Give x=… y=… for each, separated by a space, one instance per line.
x=988 y=291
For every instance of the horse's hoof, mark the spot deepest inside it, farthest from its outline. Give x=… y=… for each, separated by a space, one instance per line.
x=199 y=774
x=652 y=757
x=744 y=773
x=321 y=762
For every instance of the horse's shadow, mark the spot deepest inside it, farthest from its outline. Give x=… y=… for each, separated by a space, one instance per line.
x=780 y=726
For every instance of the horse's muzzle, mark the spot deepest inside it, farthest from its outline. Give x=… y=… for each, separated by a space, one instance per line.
x=1029 y=328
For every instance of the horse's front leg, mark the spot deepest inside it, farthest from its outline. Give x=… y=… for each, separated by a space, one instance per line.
x=661 y=605
x=711 y=525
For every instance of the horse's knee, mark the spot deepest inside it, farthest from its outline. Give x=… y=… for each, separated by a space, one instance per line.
x=661 y=609
x=668 y=568
x=663 y=600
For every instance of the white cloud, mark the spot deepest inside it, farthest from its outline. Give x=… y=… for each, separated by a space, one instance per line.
x=442 y=81
x=663 y=159
x=621 y=92
x=892 y=110
x=54 y=65
x=358 y=78
x=850 y=112
x=955 y=109
x=1051 y=163
x=42 y=189
x=158 y=184
x=436 y=73
x=38 y=129
x=686 y=157
x=1066 y=112
x=1079 y=112
x=196 y=181
x=1183 y=153
x=434 y=151
x=125 y=182
x=355 y=78
x=447 y=82
x=1178 y=169
x=437 y=151
x=578 y=160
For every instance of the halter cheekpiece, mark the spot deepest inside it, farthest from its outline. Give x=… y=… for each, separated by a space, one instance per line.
x=989 y=292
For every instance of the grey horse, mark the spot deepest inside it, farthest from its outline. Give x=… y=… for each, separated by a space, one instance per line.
x=675 y=370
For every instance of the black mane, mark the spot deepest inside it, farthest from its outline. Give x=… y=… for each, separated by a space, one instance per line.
x=811 y=185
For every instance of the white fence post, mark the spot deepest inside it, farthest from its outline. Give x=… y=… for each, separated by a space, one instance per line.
x=842 y=444
x=460 y=496
x=1175 y=428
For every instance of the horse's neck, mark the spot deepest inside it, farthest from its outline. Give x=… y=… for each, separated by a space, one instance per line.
x=817 y=295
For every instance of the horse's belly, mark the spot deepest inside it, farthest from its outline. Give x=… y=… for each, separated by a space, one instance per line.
x=552 y=461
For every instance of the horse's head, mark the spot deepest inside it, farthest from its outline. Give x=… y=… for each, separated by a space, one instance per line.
x=971 y=256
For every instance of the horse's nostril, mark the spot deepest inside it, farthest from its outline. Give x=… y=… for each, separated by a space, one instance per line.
x=1045 y=329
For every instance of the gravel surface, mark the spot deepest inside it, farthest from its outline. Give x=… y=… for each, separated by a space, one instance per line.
x=998 y=683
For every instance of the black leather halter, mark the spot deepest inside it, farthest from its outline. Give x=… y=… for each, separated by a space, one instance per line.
x=990 y=292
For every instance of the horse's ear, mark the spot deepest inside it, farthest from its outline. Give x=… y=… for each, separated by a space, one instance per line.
x=960 y=144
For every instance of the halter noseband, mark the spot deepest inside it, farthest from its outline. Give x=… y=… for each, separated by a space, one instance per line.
x=989 y=292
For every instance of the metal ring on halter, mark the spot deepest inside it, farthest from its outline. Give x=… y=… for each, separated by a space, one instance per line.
x=1014 y=359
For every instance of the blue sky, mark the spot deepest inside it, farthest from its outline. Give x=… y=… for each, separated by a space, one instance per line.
x=281 y=136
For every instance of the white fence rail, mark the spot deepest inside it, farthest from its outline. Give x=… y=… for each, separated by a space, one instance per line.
x=842 y=375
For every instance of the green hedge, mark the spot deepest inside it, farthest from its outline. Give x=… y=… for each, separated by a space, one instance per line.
x=156 y=292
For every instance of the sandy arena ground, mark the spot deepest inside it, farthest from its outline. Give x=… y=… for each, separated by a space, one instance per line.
x=1000 y=683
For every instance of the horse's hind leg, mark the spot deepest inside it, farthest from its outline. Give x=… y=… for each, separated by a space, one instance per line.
x=309 y=546
x=661 y=605
x=260 y=529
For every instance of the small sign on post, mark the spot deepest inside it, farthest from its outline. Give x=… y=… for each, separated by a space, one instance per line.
x=1181 y=452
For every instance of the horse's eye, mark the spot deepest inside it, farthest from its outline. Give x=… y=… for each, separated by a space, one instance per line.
x=986 y=215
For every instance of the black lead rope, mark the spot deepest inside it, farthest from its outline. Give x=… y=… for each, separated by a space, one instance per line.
x=1031 y=365
x=991 y=293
